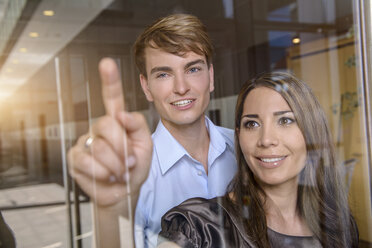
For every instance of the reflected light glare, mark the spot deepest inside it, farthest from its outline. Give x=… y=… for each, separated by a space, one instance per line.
x=296 y=40
x=33 y=34
x=48 y=12
x=23 y=50
x=33 y=58
x=8 y=86
x=9 y=70
x=15 y=61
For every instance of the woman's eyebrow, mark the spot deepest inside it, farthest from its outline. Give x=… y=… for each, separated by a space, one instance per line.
x=283 y=112
x=275 y=113
x=250 y=116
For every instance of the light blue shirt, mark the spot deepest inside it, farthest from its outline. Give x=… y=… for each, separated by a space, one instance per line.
x=175 y=176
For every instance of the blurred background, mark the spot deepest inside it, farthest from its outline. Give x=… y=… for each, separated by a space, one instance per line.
x=50 y=90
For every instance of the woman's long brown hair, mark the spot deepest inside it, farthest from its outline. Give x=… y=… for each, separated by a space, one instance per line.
x=322 y=200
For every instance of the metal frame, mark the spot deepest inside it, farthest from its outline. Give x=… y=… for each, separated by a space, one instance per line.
x=363 y=23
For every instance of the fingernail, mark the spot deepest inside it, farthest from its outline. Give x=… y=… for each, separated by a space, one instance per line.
x=126 y=177
x=131 y=161
x=112 y=178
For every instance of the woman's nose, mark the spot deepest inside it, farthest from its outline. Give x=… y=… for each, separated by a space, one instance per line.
x=268 y=137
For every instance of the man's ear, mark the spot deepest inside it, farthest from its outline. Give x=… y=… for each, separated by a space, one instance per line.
x=211 y=78
x=145 y=88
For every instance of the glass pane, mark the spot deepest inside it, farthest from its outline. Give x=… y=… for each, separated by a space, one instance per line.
x=50 y=93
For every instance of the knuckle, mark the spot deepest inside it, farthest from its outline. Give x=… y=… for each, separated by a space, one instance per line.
x=103 y=123
x=83 y=160
x=81 y=140
x=71 y=156
x=99 y=146
x=80 y=161
x=141 y=117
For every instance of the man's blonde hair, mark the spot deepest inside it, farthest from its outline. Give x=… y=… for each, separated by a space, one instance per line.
x=176 y=34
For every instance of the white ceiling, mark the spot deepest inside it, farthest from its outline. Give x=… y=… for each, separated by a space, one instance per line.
x=3 y=5
x=71 y=16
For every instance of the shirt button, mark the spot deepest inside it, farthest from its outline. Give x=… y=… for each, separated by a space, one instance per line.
x=200 y=173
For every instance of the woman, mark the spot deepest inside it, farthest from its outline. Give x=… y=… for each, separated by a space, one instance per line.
x=287 y=192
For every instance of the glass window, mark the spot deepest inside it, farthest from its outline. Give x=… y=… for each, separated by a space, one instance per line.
x=50 y=91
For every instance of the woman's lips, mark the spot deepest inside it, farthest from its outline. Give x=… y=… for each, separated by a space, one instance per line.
x=271 y=162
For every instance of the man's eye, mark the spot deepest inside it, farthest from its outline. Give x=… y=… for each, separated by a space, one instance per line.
x=161 y=75
x=250 y=124
x=286 y=121
x=194 y=69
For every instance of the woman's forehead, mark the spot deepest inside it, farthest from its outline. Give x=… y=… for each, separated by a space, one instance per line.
x=264 y=99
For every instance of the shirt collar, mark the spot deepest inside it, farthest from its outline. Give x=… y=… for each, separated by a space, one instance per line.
x=217 y=141
x=167 y=148
x=169 y=151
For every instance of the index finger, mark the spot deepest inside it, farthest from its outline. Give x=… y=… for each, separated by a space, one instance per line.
x=112 y=93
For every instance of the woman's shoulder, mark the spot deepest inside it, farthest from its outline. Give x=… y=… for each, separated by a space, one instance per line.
x=199 y=221
x=197 y=206
x=186 y=223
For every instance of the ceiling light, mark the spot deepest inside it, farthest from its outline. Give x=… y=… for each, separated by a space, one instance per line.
x=296 y=40
x=33 y=34
x=23 y=50
x=48 y=12
x=9 y=70
x=15 y=61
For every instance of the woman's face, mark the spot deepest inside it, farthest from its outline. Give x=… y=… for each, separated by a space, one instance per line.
x=271 y=141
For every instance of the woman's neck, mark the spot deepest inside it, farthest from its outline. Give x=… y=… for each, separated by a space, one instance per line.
x=281 y=210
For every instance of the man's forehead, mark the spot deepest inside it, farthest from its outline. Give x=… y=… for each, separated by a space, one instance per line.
x=183 y=54
x=160 y=56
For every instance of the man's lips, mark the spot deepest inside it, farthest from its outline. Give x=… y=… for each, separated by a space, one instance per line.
x=182 y=103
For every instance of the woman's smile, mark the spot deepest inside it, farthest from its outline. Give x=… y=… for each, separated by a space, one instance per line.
x=271 y=161
x=270 y=139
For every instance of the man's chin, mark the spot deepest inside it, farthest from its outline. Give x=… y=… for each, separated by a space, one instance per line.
x=184 y=120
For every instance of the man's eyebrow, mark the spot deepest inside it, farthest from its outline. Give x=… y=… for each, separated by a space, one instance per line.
x=160 y=68
x=169 y=69
x=198 y=61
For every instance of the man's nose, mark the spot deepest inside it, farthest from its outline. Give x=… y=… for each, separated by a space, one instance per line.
x=181 y=85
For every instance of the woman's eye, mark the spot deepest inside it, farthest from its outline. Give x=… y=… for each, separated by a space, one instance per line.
x=250 y=124
x=286 y=121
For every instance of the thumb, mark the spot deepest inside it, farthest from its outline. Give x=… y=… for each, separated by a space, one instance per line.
x=136 y=127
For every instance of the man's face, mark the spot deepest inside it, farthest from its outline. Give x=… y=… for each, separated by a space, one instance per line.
x=179 y=86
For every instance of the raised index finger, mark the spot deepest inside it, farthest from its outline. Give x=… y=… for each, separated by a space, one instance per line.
x=112 y=93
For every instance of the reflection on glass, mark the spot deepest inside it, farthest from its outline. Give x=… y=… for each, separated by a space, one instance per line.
x=316 y=40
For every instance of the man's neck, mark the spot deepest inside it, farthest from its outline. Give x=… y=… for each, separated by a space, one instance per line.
x=193 y=137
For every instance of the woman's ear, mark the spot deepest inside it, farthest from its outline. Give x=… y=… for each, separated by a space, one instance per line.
x=237 y=130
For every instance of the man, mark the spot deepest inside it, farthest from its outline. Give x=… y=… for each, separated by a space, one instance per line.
x=191 y=156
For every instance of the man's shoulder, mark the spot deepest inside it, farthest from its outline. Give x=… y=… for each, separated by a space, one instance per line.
x=225 y=130
x=227 y=134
